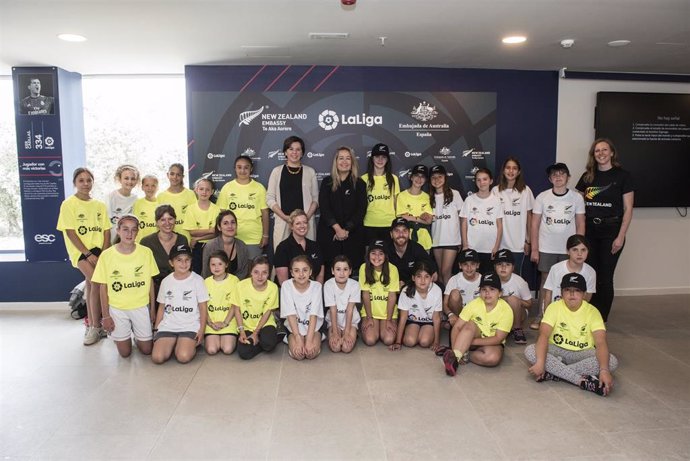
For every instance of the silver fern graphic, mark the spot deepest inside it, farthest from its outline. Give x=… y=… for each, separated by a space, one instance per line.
x=247 y=117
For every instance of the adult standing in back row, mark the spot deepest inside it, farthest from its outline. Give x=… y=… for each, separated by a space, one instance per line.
x=291 y=187
x=609 y=195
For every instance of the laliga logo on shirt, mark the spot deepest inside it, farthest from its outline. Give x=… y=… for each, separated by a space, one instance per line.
x=44 y=239
x=117 y=286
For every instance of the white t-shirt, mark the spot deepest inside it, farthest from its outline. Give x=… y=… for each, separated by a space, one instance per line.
x=481 y=215
x=180 y=299
x=338 y=299
x=516 y=286
x=421 y=309
x=515 y=207
x=557 y=219
x=118 y=205
x=445 y=229
x=469 y=290
x=558 y=270
x=301 y=305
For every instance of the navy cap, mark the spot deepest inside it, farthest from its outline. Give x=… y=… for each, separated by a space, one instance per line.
x=420 y=169
x=504 y=256
x=574 y=280
x=377 y=245
x=468 y=255
x=380 y=149
x=437 y=169
x=399 y=222
x=178 y=250
x=490 y=279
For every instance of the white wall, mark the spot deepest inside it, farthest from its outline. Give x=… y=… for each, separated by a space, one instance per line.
x=656 y=258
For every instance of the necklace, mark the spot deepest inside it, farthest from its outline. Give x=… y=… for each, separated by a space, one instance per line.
x=291 y=171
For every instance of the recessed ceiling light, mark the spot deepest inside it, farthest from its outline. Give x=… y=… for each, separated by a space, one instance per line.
x=616 y=43
x=513 y=39
x=328 y=35
x=72 y=37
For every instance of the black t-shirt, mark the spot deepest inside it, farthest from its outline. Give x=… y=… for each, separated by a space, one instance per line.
x=289 y=248
x=291 y=191
x=604 y=196
x=413 y=253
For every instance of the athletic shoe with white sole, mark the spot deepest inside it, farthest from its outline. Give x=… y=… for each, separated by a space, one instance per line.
x=92 y=336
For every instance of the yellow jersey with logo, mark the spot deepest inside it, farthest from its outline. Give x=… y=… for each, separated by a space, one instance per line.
x=381 y=201
x=254 y=303
x=196 y=219
x=498 y=318
x=246 y=201
x=378 y=292
x=88 y=218
x=145 y=211
x=416 y=205
x=179 y=201
x=127 y=276
x=573 y=330
x=220 y=302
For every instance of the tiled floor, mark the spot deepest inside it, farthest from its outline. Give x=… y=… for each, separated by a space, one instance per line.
x=61 y=400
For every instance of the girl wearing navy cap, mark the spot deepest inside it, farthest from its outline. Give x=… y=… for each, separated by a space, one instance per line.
x=445 y=228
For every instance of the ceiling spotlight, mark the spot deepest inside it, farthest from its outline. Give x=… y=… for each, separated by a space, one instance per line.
x=72 y=37
x=328 y=35
x=514 y=39
x=567 y=43
x=616 y=43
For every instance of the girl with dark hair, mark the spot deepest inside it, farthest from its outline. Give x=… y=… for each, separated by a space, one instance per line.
x=419 y=309
x=382 y=189
x=226 y=240
x=379 y=281
x=341 y=295
x=445 y=229
x=221 y=326
x=178 y=196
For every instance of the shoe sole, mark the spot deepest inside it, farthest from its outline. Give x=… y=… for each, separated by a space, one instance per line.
x=448 y=364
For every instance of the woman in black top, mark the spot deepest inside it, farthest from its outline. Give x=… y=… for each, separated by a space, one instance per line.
x=343 y=202
x=609 y=197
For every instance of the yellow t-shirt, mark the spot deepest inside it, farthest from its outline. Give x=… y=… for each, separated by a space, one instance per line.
x=253 y=304
x=499 y=318
x=416 y=205
x=195 y=218
x=381 y=207
x=179 y=201
x=573 y=330
x=145 y=211
x=246 y=201
x=378 y=293
x=220 y=303
x=128 y=276
x=89 y=218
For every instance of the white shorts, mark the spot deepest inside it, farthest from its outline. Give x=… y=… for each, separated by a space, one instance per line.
x=131 y=320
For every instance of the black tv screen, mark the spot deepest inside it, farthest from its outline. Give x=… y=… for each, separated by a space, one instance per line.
x=651 y=133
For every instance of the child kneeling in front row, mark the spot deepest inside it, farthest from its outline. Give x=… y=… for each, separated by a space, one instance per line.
x=221 y=325
x=572 y=342
x=482 y=328
x=515 y=292
x=341 y=294
x=182 y=310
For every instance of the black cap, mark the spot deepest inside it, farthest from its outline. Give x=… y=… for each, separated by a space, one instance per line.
x=178 y=250
x=399 y=222
x=490 y=279
x=380 y=149
x=504 y=256
x=557 y=167
x=420 y=169
x=377 y=245
x=437 y=169
x=574 y=280
x=468 y=255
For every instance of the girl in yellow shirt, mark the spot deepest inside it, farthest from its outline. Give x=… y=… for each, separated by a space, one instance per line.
x=379 y=281
x=199 y=221
x=221 y=326
x=414 y=206
x=382 y=189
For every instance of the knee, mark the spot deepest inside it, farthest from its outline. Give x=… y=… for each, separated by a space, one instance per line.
x=347 y=349
x=388 y=339
x=184 y=356
x=410 y=341
x=245 y=354
x=337 y=347
x=613 y=363
x=125 y=354
x=227 y=350
x=426 y=342
x=313 y=355
x=158 y=358
x=530 y=354
x=492 y=359
x=212 y=350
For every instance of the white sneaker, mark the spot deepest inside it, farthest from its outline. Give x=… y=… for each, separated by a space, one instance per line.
x=92 y=336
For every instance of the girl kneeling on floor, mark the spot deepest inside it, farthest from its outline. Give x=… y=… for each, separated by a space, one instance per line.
x=419 y=310
x=182 y=310
x=341 y=295
x=572 y=342
x=379 y=281
x=255 y=299
x=301 y=305
x=221 y=325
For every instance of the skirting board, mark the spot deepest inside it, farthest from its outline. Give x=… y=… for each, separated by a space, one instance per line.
x=652 y=291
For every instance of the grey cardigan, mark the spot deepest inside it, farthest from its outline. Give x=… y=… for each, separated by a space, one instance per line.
x=242 y=256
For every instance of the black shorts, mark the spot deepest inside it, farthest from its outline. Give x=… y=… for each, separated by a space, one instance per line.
x=174 y=334
x=421 y=324
x=94 y=251
x=222 y=334
x=446 y=247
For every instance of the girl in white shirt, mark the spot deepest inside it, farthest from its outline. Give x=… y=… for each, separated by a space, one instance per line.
x=341 y=295
x=301 y=304
x=445 y=229
x=121 y=201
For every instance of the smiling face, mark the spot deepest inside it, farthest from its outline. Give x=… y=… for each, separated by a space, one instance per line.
x=343 y=161
x=228 y=226
x=301 y=271
x=175 y=176
x=603 y=155
x=422 y=281
x=128 y=180
x=380 y=161
x=259 y=275
x=400 y=235
x=511 y=171
x=217 y=266
x=300 y=226
x=469 y=269
x=341 y=271
x=203 y=190
x=243 y=170
x=181 y=264
x=127 y=229
x=483 y=182
x=418 y=180
x=83 y=183
x=377 y=258
x=150 y=187
x=437 y=182
x=578 y=254
x=294 y=154
x=166 y=223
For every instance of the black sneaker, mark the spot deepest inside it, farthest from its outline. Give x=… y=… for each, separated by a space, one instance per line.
x=548 y=377
x=450 y=362
x=592 y=384
x=519 y=336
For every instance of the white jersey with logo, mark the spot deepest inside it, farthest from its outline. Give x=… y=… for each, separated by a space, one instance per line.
x=301 y=305
x=117 y=206
x=516 y=286
x=338 y=299
x=558 y=270
x=515 y=207
x=445 y=229
x=482 y=215
x=180 y=299
x=422 y=309
x=469 y=290
x=557 y=219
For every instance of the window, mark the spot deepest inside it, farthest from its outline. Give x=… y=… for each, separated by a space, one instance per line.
x=11 y=240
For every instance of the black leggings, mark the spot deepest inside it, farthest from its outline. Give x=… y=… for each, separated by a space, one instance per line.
x=198 y=257
x=268 y=340
x=601 y=237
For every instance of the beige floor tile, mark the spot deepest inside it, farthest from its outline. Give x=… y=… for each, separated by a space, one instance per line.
x=653 y=444
x=96 y=446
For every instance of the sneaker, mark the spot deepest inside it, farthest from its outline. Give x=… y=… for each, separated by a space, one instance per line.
x=548 y=377
x=450 y=362
x=519 y=336
x=103 y=334
x=592 y=384
x=535 y=324
x=92 y=336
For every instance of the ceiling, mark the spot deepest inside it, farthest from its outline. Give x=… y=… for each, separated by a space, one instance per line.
x=162 y=36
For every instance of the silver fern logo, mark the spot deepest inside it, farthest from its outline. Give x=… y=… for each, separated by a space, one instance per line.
x=247 y=117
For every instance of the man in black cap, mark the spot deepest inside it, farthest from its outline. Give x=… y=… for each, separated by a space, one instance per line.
x=404 y=253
